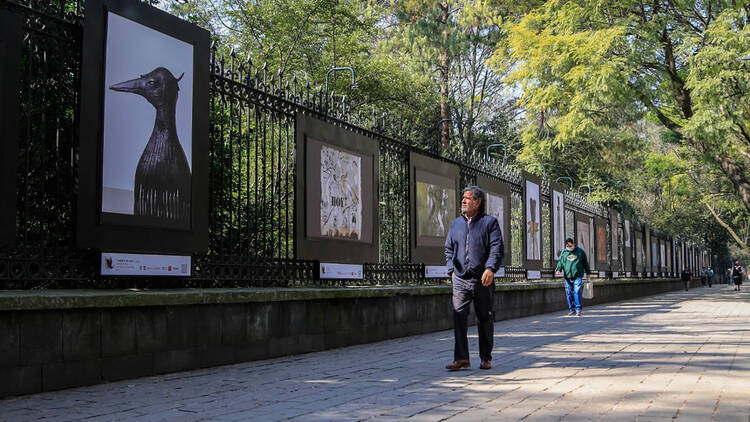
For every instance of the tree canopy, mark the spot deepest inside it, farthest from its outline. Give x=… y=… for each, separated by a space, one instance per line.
x=645 y=101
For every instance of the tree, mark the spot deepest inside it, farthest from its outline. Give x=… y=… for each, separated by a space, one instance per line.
x=594 y=74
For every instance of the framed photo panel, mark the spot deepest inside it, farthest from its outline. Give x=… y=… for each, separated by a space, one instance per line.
x=640 y=255
x=11 y=38
x=600 y=225
x=647 y=262
x=144 y=130
x=337 y=206
x=532 y=232
x=583 y=236
x=498 y=206
x=614 y=234
x=557 y=215
x=435 y=195
x=627 y=245
x=655 y=253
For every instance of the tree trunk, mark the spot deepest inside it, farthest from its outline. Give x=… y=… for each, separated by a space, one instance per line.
x=445 y=112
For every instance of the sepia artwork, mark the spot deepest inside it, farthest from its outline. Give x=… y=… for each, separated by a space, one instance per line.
x=533 y=218
x=496 y=208
x=601 y=243
x=582 y=230
x=340 y=194
x=435 y=205
x=558 y=214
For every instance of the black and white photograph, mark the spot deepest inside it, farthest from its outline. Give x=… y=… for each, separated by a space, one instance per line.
x=147 y=136
x=144 y=130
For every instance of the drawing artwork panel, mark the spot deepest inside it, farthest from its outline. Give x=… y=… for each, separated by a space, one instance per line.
x=435 y=209
x=147 y=124
x=340 y=194
x=533 y=219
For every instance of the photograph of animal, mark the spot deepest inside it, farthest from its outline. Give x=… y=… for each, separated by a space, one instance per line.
x=162 y=185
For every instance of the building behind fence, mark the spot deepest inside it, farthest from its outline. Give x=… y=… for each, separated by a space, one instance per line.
x=251 y=177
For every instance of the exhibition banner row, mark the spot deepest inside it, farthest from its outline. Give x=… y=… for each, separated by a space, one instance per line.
x=143 y=169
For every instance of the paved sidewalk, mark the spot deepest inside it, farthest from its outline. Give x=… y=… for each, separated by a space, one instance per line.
x=680 y=356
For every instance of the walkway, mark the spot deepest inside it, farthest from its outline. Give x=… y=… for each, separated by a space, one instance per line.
x=681 y=356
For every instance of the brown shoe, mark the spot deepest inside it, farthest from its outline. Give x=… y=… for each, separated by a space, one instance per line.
x=458 y=364
x=485 y=365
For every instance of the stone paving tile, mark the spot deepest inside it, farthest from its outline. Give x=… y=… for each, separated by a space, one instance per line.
x=674 y=357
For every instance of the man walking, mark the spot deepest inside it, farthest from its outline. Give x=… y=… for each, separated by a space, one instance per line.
x=686 y=278
x=574 y=265
x=710 y=276
x=737 y=275
x=473 y=253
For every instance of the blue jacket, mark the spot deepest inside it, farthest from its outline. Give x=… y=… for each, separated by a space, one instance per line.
x=472 y=248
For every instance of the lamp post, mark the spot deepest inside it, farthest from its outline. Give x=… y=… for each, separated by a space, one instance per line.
x=587 y=186
x=487 y=151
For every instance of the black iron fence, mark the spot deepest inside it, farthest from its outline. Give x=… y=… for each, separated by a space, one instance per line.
x=251 y=170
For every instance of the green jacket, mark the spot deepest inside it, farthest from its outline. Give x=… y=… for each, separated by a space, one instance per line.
x=573 y=264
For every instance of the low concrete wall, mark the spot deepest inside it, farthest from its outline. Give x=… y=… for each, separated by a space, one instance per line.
x=60 y=339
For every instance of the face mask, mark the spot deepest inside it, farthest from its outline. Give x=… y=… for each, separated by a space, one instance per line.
x=570 y=248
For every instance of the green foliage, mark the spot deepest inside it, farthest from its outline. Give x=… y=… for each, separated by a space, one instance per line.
x=645 y=102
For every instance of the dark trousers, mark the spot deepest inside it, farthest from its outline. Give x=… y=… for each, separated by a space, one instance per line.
x=464 y=292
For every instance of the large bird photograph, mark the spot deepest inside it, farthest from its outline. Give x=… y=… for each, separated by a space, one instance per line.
x=147 y=127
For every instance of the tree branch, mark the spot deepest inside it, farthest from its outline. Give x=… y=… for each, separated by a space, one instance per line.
x=726 y=226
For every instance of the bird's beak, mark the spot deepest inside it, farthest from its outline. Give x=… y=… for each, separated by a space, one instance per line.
x=134 y=85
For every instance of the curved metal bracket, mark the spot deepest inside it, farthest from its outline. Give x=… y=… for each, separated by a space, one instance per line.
x=336 y=69
x=487 y=151
x=569 y=180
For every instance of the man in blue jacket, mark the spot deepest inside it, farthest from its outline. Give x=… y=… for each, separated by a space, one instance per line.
x=473 y=253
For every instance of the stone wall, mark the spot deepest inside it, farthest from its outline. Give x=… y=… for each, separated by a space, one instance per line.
x=61 y=339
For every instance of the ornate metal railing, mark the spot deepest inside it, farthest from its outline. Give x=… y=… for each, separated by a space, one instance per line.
x=251 y=170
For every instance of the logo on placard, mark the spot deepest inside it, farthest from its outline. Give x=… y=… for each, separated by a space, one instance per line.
x=108 y=262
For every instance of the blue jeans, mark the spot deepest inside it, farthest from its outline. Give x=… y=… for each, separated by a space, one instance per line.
x=573 y=294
